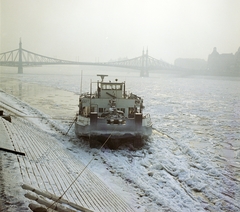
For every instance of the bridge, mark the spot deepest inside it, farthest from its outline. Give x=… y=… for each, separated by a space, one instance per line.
x=23 y=58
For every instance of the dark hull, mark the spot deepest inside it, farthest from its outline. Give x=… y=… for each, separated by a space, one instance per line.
x=130 y=129
x=115 y=134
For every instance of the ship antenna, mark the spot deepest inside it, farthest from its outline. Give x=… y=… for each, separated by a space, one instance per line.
x=102 y=76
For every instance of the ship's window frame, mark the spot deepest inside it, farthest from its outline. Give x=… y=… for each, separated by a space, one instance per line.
x=100 y=110
x=111 y=86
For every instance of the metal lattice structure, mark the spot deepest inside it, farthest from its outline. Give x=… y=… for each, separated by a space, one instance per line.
x=144 y=63
x=23 y=58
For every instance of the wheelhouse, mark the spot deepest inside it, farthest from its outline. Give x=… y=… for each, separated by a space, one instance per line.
x=109 y=96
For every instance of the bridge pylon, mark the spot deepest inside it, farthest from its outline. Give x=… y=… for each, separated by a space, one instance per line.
x=20 y=65
x=144 y=70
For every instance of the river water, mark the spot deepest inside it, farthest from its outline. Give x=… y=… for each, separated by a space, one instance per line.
x=201 y=109
x=205 y=108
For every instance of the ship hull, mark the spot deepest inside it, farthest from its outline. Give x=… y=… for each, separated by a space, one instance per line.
x=127 y=130
x=116 y=134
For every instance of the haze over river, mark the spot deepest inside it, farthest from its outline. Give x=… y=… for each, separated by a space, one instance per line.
x=198 y=114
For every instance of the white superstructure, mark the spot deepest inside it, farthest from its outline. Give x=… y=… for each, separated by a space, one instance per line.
x=110 y=111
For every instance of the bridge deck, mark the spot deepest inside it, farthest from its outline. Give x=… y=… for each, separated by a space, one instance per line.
x=48 y=166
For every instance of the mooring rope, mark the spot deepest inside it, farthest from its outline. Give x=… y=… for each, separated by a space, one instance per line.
x=79 y=174
x=75 y=119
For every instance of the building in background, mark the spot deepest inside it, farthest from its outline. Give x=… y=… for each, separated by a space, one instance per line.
x=217 y=63
x=224 y=62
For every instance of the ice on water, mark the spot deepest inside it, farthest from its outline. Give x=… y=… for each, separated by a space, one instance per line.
x=192 y=160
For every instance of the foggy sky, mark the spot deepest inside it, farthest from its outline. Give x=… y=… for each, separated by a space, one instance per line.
x=100 y=30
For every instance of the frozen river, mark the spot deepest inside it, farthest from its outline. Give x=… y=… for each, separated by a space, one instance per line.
x=192 y=160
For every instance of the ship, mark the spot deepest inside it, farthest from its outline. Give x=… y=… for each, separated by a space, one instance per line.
x=110 y=114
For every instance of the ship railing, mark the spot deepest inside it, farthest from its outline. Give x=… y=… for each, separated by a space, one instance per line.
x=147 y=116
x=85 y=95
x=147 y=121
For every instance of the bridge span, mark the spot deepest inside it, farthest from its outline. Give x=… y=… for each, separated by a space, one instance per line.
x=23 y=58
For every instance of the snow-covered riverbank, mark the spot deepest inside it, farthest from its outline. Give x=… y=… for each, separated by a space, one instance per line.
x=51 y=165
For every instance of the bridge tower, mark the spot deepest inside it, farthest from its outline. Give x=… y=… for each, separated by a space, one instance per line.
x=144 y=69
x=20 y=66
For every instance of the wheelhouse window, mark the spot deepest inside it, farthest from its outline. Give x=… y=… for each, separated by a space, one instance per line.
x=111 y=86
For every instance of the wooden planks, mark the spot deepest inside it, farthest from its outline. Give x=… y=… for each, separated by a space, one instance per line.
x=49 y=166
